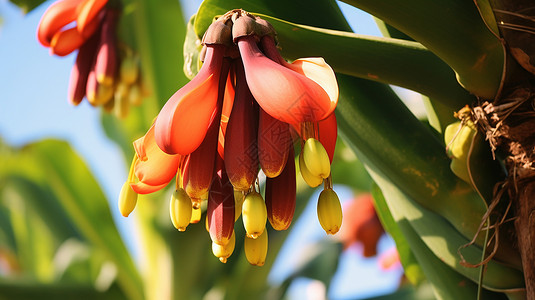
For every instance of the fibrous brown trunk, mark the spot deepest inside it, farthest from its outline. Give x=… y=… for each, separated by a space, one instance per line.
x=512 y=122
x=525 y=229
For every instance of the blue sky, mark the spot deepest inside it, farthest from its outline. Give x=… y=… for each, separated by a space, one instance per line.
x=34 y=106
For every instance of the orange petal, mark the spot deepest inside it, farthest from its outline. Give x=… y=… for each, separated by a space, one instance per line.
x=320 y=72
x=143 y=188
x=87 y=15
x=66 y=41
x=282 y=92
x=154 y=167
x=228 y=101
x=58 y=15
x=183 y=121
x=199 y=169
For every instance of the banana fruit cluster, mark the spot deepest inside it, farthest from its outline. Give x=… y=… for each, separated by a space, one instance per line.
x=106 y=71
x=241 y=114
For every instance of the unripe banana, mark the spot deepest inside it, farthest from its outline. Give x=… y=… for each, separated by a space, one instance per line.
x=460 y=169
x=256 y=249
x=458 y=138
x=329 y=211
x=254 y=214
x=134 y=96
x=316 y=158
x=224 y=252
x=311 y=180
x=195 y=215
x=127 y=200
x=129 y=69
x=121 y=105
x=180 y=209
x=97 y=93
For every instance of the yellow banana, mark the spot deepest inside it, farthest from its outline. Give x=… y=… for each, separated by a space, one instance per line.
x=180 y=208
x=329 y=211
x=316 y=158
x=256 y=249
x=254 y=214
x=311 y=180
x=134 y=96
x=127 y=199
x=121 y=106
x=129 y=69
x=224 y=252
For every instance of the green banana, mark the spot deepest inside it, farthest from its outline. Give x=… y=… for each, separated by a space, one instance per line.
x=127 y=199
x=458 y=138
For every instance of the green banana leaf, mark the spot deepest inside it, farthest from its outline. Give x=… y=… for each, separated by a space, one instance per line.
x=454 y=31
x=53 y=166
x=412 y=269
x=27 y=5
x=394 y=162
x=446 y=283
x=444 y=241
x=393 y=141
x=325 y=14
x=31 y=291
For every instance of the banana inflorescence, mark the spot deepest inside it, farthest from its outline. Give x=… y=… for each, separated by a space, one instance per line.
x=248 y=123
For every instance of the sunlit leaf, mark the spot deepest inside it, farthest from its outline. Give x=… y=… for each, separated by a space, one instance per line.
x=324 y=14
x=412 y=269
x=54 y=165
x=454 y=31
x=392 y=143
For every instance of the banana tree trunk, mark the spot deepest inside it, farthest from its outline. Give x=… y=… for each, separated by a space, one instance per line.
x=514 y=122
x=525 y=228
